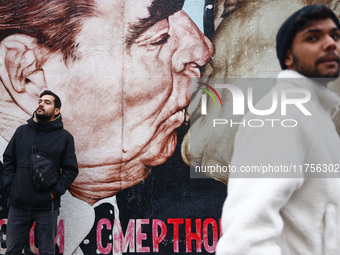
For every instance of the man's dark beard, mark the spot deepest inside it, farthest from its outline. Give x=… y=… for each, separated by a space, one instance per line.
x=43 y=117
x=314 y=73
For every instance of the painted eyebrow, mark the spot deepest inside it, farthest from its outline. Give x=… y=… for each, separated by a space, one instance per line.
x=135 y=30
x=158 y=10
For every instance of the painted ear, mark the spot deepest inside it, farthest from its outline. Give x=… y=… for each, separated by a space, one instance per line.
x=21 y=59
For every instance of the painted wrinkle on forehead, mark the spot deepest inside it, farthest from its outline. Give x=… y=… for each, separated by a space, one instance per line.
x=136 y=9
x=108 y=17
x=109 y=6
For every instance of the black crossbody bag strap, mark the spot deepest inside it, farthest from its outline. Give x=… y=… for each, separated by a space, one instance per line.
x=34 y=149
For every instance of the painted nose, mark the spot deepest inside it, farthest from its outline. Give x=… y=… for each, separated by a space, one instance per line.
x=193 y=48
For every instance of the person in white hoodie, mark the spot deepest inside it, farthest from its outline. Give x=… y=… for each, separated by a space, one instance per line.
x=297 y=210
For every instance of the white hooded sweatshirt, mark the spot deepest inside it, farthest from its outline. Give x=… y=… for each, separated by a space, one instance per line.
x=296 y=213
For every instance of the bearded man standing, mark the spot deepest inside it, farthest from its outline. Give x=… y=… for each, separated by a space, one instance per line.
x=27 y=203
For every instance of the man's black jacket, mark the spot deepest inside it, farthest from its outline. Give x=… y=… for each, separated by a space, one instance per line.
x=50 y=138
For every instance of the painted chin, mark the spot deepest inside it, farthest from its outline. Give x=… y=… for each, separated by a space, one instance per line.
x=164 y=142
x=159 y=154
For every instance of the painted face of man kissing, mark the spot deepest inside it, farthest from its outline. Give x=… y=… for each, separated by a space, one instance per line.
x=132 y=84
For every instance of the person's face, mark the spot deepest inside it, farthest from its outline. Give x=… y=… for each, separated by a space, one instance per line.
x=315 y=50
x=123 y=104
x=46 y=110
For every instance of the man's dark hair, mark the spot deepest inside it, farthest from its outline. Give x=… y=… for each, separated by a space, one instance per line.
x=54 y=23
x=297 y=22
x=57 y=101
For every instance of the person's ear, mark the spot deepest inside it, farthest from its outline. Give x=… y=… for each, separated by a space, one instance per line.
x=289 y=60
x=56 y=111
x=21 y=72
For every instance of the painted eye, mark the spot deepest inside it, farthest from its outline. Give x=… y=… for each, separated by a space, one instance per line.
x=163 y=40
x=154 y=37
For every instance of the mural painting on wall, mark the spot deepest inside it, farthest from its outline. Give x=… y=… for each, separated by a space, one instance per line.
x=122 y=70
